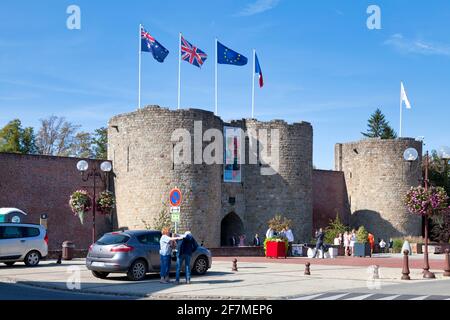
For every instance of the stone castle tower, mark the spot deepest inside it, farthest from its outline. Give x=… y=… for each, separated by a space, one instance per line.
x=140 y=147
x=377 y=179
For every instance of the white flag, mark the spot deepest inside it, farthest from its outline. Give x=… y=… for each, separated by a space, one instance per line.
x=404 y=97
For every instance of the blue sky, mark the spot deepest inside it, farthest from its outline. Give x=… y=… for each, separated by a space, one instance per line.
x=320 y=62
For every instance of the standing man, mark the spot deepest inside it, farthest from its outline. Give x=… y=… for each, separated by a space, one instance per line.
x=185 y=249
x=319 y=244
x=290 y=237
x=256 y=241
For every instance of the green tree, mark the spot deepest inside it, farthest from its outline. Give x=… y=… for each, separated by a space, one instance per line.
x=100 y=143
x=334 y=228
x=378 y=127
x=439 y=175
x=82 y=145
x=15 y=139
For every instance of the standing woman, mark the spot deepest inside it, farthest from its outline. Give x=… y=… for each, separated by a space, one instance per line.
x=165 y=254
x=352 y=241
x=346 y=243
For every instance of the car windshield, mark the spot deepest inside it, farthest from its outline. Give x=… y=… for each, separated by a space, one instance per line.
x=111 y=238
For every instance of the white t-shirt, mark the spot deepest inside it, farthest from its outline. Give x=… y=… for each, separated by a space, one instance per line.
x=164 y=243
x=337 y=241
x=289 y=235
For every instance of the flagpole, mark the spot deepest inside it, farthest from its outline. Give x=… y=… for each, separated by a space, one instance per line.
x=179 y=72
x=139 y=73
x=401 y=110
x=215 y=78
x=253 y=83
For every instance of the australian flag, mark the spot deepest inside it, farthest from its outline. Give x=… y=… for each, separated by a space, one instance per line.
x=227 y=56
x=192 y=54
x=149 y=44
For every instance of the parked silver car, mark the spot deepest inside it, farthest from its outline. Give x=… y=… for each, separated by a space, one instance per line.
x=136 y=253
x=22 y=242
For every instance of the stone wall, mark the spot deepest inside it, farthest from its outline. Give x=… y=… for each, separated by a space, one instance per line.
x=377 y=179
x=141 y=149
x=330 y=198
x=289 y=191
x=43 y=184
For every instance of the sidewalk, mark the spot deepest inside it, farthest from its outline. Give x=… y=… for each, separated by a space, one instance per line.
x=254 y=280
x=437 y=262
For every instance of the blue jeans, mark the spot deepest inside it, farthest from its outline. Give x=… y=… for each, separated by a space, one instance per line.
x=165 y=266
x=187 y=262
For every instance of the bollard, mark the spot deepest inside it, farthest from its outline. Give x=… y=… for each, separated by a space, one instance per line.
x=234 y=268
x=405 y=270
x=307 y=269
x=447 y=264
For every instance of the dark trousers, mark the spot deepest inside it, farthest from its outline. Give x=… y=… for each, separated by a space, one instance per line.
x=319 y=246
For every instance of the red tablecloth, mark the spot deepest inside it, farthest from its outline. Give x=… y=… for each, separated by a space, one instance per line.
x=276 y=250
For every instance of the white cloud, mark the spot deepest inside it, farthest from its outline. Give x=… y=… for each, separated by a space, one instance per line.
x=257 y=7
x=404 y=45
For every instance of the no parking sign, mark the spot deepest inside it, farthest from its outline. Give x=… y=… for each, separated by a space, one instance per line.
x=175 y=197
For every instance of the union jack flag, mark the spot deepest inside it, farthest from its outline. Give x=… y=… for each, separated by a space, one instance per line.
x=192 y=54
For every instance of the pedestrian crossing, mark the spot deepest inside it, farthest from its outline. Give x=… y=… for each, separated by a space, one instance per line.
x=368 y=296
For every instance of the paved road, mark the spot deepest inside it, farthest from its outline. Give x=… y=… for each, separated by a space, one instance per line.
x=20 y=292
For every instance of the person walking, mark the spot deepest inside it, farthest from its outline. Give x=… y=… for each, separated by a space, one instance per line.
x=319 y=244
x=165 y=253
x=391 y=245
x=371 y=240
x=185 y=247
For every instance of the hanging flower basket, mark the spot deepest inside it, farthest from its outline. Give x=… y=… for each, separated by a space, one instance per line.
x=80 y=202
x=106 y=202
x=421 y=202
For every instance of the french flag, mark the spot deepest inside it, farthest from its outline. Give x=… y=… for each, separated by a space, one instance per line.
x=259 y=72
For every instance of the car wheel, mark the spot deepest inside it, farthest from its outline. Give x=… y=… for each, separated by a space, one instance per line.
x=9 y=264
x=32 y=258
x=137 y=270
x=100 y=275
x=200 y=265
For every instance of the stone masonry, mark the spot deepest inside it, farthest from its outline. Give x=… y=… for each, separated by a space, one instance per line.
x=140 y=148
x=377 y=179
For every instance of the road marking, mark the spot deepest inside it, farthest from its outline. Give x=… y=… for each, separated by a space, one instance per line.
x=334 y=297
x=390 y=297
x=419 y=298
x=311 y=297
x=365 y=296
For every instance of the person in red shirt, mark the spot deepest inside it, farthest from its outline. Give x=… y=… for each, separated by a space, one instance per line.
x=371 y=239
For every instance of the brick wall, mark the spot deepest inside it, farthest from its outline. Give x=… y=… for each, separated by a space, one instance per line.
x=43 y=184
x=329 y=198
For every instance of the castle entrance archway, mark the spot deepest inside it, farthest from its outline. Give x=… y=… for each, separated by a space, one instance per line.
x=231 y=226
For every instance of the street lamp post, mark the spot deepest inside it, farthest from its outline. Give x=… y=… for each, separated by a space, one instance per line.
x=411 y=155
x=105 y=167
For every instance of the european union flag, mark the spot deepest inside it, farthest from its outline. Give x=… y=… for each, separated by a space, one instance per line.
x=149 y=44
x=227 y=56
